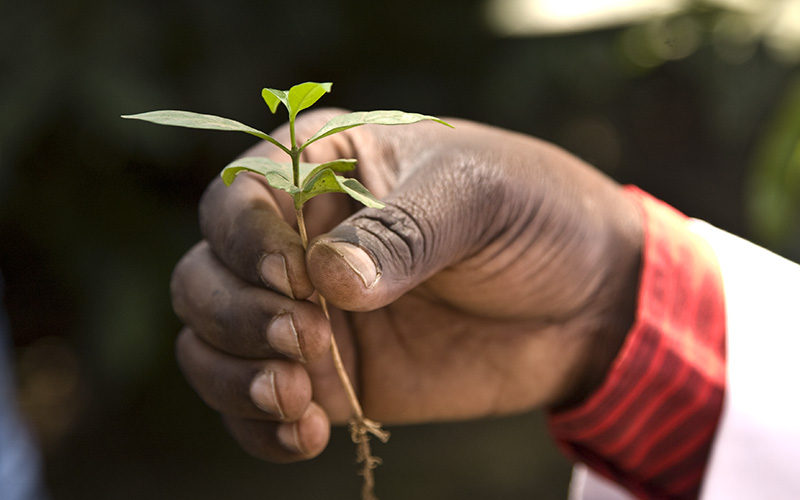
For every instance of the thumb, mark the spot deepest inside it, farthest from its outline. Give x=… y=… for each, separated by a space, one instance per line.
x=430 y=222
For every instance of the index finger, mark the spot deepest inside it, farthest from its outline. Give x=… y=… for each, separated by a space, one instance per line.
x=244 y=228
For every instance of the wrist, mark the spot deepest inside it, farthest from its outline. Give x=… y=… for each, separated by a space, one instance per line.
x=665 y=386
x=607 y=320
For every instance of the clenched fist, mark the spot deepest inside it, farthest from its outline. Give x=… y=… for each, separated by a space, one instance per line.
x=500 y=277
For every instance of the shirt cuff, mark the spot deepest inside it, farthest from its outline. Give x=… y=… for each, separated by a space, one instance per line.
x=650 y=425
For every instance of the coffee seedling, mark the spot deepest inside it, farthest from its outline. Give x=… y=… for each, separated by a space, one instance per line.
x=304 y=181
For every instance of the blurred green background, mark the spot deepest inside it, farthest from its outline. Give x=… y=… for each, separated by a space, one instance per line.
x=696 y=102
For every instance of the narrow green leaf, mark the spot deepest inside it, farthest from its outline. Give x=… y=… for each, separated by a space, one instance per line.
x=272 y=97
x=308 y=170
x=278 y=175
x=325 y=181
x=304 y=95
x=350 y=120
x=357 y=191
x=279 y=181
x=196 y=120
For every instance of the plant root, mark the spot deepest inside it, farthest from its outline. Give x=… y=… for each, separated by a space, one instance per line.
x=360 y=430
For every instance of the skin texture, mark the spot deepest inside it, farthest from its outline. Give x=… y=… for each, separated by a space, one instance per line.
x=501 y=277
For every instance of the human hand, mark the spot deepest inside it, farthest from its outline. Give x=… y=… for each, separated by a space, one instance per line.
x=500 y=277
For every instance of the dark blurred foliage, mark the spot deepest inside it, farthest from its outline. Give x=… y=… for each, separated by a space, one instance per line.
x=95 y=211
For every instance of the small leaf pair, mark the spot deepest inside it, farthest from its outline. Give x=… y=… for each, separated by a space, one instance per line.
x=297 y=98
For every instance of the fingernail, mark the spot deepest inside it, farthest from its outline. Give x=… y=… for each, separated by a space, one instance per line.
x=264 y=394
x=282 y=336
x=289 y=438
x=273 y=273
x=358 y=260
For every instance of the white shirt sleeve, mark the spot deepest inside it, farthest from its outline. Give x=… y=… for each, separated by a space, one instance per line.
x=756 y=451
x=588 y=485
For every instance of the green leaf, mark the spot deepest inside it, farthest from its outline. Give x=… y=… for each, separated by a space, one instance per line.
x=325 y=181
x=357 y=191
x=272 y=97
x=304 y=95
x=279 y=181
x=196 y=120
x=350 y=120
x=308 y=170
x=278 y=175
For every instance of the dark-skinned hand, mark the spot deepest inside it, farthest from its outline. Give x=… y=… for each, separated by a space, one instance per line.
x=500 y=277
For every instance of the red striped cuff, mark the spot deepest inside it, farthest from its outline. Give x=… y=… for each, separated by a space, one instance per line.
x=650 y=426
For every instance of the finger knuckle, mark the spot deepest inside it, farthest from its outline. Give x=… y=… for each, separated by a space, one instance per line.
x=293 y=389
x=177 y=287
x=403 y=232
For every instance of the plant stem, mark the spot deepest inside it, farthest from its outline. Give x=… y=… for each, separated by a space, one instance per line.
x=360 y=427
x=301 y=226
x=358 y=412
x=337 y=358
x=295 y=155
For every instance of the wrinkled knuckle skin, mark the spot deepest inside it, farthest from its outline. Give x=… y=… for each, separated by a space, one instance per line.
x=438 y=218
x=403 y=235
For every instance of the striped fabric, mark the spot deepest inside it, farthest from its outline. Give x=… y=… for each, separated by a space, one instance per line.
x=650 y=426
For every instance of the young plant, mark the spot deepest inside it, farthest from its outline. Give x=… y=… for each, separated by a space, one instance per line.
x=304 y=181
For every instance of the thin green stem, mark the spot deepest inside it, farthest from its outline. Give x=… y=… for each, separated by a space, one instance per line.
x=294 y=153
x=291 y=133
